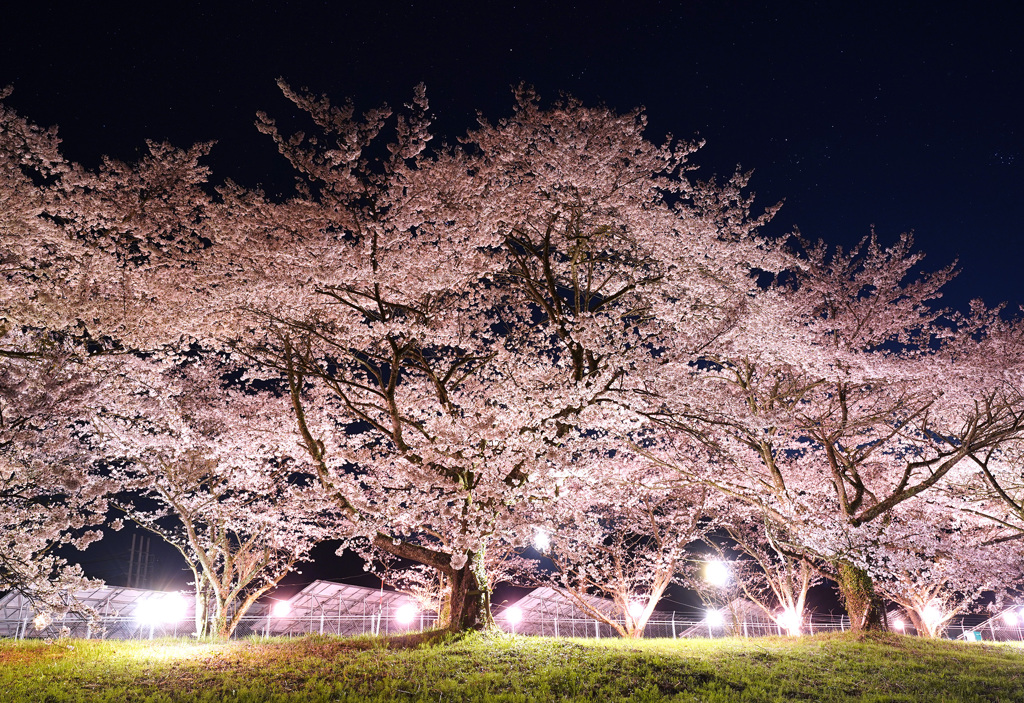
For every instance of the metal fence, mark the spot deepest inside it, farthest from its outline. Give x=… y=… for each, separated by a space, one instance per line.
x=665 y=625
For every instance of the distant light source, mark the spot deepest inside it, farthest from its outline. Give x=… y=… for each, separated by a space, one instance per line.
x=714 y=618
x=636 y=609
x=281 y=609
x=1010 y=618
x=716 y=573
x=406 y=614
x=899 y=625
x=541 y=541
x=513 y=615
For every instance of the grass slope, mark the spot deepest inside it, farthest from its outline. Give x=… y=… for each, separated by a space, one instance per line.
x=498 y=668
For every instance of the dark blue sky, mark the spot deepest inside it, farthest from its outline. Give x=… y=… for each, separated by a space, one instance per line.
x=905 y=117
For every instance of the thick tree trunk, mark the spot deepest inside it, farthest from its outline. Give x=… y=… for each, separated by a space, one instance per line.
x=918 y=622
x=865 y=608
x=469 y=601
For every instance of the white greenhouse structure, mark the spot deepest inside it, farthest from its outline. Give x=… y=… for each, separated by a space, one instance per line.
x=329 y=608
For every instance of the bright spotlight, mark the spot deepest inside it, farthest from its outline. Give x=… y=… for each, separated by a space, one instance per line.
x=899 y=625
x=716 y=573
x=162 y=609
x=175 y=608
x=790 y=620
x=714 y=618
x=932 y=615
x=1010 y=618
x=513 y=615
x=541 y=541
x=636 y=609
x=406 y=614
x=281 y=609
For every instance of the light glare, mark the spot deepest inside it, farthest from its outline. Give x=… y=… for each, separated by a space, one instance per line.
x=714 y=618
x=541 y=541
x=636 y=609
x=161 y=609
x=514 y=615
x=716 y=573
x=281 y=609
x=790 y=620
x=1010 y=618
x=932 y=615
x=406 y=614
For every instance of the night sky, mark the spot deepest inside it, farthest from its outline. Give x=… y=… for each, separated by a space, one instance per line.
x=905 y=117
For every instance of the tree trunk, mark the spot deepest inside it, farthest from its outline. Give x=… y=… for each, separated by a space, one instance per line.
x=469 y=601
x=220 y=620
x=918 y=622
x=202 y=602
x=865 y=608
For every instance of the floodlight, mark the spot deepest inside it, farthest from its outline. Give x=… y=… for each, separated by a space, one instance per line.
x=636 y=609
x=714 y=618
x=175 y=607
x=161 y=609
x=541 y=541
x=514 y=615
x=148 y=611
x=406 y=614
x=899 y=625
x=790 y=620
x=281 y=609
x=1010 y=618
x=932 y=615
x=716 y=573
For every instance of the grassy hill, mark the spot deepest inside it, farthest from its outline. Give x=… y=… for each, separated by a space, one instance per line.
x=500 y=668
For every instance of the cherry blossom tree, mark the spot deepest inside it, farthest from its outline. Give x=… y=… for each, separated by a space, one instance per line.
x=84 y=260
x=457 y=324
x=771 y=573
x=210 y=469
x=48 y=378
x=937 y=569
x=620 y=534
x=842 y=396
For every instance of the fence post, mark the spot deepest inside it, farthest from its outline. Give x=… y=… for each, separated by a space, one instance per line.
x=597 y=630
x=673 y=624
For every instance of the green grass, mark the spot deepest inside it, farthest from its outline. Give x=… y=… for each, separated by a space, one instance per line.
x=501 y=668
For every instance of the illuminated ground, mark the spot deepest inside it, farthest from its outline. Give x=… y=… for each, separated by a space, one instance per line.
x=478 y=668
